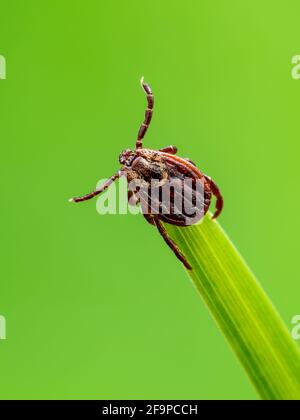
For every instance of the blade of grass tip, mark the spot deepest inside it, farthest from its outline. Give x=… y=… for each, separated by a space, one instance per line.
x=241 y=309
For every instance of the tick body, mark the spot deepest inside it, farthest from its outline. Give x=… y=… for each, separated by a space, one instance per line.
x=163 y=168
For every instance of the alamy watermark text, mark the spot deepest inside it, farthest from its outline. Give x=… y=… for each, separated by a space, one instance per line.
x=296 y=67
x=2 y=67
x=2 y=328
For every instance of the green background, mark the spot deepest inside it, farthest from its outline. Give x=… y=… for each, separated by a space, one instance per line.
x=97 y=306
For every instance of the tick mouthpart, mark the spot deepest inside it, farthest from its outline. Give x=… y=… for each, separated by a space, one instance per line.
x=127 y=157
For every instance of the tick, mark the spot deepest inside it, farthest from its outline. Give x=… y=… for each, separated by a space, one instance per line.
x=163 y=166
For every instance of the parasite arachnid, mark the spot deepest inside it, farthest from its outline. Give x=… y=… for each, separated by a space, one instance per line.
x=162 y=166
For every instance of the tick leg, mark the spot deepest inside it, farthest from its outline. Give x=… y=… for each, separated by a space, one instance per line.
x=133 y=200
x=150 y=219
x=169 y=149
x=217 y=193
x=190 y=161
x=98 y=191
x=171 y=243
x=148 y=115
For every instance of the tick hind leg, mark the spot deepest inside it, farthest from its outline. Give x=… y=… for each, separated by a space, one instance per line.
x=149 y=218
x=217 y=193
x=155 y=221
x=148 y=115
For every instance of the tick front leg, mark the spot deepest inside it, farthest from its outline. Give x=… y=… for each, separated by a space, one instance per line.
x=171 y=243
x=148 y=115
x=98 y=191
x=217 y=193
x=169 y=149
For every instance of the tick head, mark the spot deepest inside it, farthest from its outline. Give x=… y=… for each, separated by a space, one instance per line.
x=127 y=157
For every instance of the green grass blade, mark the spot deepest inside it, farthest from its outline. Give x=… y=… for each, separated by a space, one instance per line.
x=242 y=310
